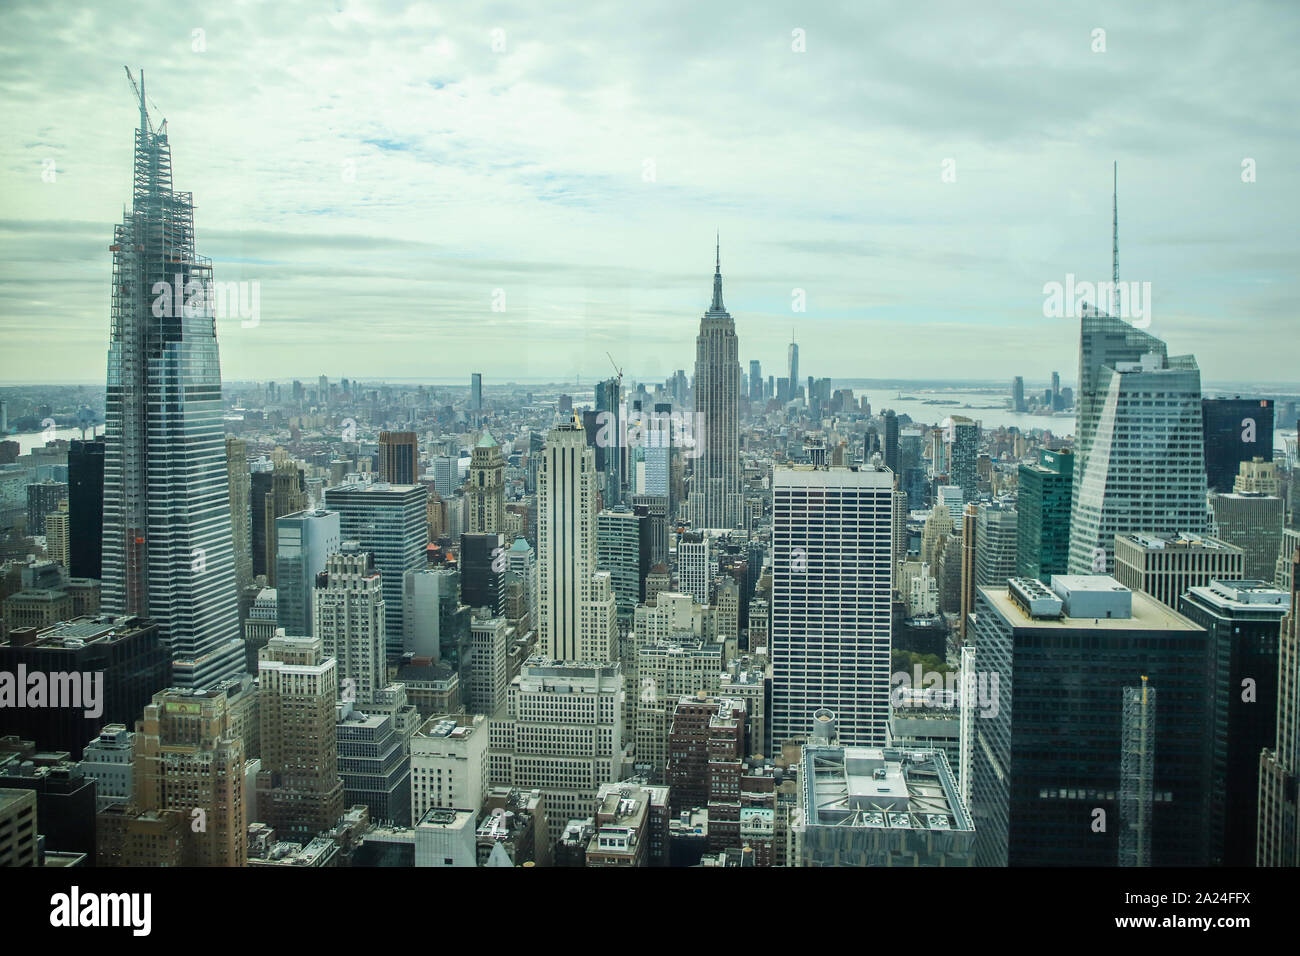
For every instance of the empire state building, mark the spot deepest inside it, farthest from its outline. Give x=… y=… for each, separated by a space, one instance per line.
x=715 y=498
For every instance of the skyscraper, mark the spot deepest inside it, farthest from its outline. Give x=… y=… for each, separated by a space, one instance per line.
x=831 y=592
x=305 y=542
x=1018 y=395
x=476 y=395
x=1278 y=832
x=576 y=609
x=486 y=491
x=399 y=457
x=964 y=439
x=1043 y=515
x=755 y=381
x=299 y=791
x=1144 y=463
x=1053 y=667
x=349 y=621
x=241 y=514
x=86 y=508
x=891 y=445
x=168 y=550
x=1236 y=430
x=792 y=364
x=715 y=488
x=389 y=522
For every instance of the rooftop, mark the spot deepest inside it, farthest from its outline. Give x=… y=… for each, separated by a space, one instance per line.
x=885 y=788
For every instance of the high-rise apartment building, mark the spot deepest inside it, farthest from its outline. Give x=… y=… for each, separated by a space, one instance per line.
x=299 y=791
x=389 y=522
x=577 y=614
x=399 y=458
x=57 y=533
x=304 y=542
x=716 y=497
x=964 y=440
x=1166 y=566
x=832 y=534
x=1043 y=515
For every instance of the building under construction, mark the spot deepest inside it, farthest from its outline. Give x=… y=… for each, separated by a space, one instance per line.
x=167 y=533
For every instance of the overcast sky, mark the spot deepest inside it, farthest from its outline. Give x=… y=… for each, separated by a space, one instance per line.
x=584 y=169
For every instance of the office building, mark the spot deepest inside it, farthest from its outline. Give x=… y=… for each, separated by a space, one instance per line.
x=695 y=565
x=389 y=522
x=304 y=542
x=486 y=490
x=870 y=806
x=109 y=760
x=1166 y=566
x=832 y=536
x=399 y=458
x=449 y=765
x=1145 y=468
x=755 y=381
x=1252 y=522
x=259 y=626
x=374 y=761
x=1043 y=515
x=86 y=508
x=349 y=618
x=561 y=733
x=189 y=759
x=110 y=667
x=1243 y=619
x=1048 y=787
x=241 y=510
x=623 y=549
x=446 y=838
x=57 y=528
x=43 y=498
x=1277 y=840
x=19 y=845
x=576 y=610
x=483 y=571
x=485 y=690
x=1236 y=430
x=285 y=495
x=716 y=497
x=996 y=535
x=299 y=791
x=667 y=671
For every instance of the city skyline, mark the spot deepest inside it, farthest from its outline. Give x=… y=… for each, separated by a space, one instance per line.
x=596 y=251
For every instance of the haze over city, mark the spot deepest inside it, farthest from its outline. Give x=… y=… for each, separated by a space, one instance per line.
x=382 y=170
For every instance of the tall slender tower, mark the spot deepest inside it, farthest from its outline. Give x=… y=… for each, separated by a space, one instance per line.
x=576 y=610
x=486 y=491
x=715 y=489
x=168 y=550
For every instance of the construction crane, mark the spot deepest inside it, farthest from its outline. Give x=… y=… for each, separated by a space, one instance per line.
x=619 y=371
x=139 y=95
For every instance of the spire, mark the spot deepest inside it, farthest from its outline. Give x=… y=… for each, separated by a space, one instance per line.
x=717 y=305
x=1114 y=255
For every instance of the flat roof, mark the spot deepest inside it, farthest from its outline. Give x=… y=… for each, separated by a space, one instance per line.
x=808 y=476
x=1148 y=615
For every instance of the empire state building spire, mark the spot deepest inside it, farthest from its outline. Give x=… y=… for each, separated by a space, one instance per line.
x=717 y=305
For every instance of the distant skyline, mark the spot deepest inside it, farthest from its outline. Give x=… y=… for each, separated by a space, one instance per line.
x=380 y=170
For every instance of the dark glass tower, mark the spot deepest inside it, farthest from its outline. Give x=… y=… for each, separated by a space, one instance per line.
x=1043 y=516
x=1236 y=430
x=86 y=508
x=168 y=551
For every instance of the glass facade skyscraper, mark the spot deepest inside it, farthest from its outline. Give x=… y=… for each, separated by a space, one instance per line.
x=167 y=551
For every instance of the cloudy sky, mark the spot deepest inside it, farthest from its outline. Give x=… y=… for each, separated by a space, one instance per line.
x=918 y=171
